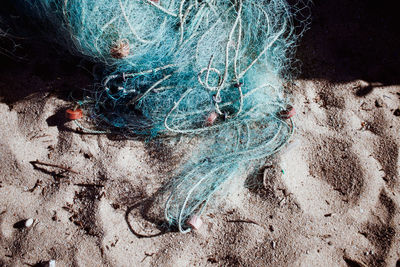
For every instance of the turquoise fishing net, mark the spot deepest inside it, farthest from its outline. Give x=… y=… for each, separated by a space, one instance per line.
x=210 y=69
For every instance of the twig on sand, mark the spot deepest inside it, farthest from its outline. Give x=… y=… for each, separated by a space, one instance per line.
x=147 y=255
x=38 y=182
x=90 y=185
x=243 y=221
x=36 y=162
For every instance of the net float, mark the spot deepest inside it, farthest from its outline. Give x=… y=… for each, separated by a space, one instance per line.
x=73 y=114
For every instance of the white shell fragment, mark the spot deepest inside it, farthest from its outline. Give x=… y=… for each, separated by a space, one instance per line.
x=28 y=222
x=52 y=263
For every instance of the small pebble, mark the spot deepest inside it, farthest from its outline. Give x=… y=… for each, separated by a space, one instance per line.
x=52 y=263
x=28 y=222
x=273 y=244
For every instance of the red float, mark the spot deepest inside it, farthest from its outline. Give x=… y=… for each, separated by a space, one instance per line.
x=211 y=118
x=288 y=113
x=73 y=114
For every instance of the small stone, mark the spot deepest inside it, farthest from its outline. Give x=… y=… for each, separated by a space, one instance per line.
x=273 y=244
x=28 y=222
x=365 y=126
x=366 y=253
x=397 y=112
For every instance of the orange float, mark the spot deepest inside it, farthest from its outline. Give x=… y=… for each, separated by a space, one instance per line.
x=74 y=114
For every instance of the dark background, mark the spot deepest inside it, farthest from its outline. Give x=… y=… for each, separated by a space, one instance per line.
x=347 y=40
x=352 y=39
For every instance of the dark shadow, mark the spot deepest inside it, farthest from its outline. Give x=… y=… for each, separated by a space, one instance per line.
x=262 y=182
x=19 y=225
x=350 y=40
x=352 y=263
x=47 y=70
x=57 y=119
x=162 y=153
x=364 y=90
x=39 y=264
x=30 y=64
x=159 y=151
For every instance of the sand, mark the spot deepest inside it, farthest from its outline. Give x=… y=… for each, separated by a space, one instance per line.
x=330 y=198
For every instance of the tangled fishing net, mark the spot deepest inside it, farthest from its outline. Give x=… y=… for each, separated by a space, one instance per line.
x=213 y=69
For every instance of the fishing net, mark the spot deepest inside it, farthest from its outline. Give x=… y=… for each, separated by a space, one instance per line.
x=210 y=69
